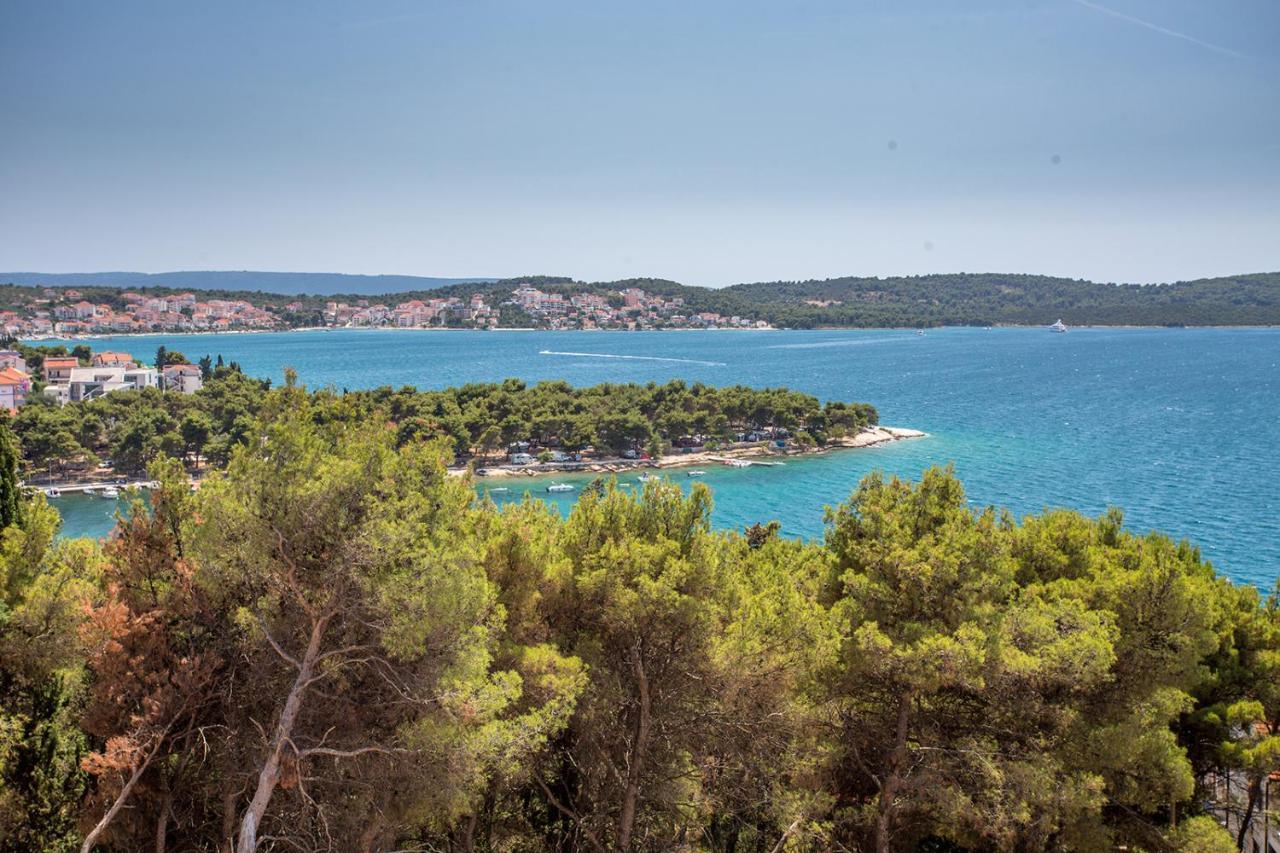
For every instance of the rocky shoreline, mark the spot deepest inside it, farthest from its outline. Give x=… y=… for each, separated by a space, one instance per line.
x=756 y=453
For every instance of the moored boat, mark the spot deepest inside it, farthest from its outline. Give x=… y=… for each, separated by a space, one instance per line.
x=1058 y=326
x=559 y=487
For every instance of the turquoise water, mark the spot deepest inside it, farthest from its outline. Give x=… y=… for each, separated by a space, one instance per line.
x=88 y=515
x=1180 y=427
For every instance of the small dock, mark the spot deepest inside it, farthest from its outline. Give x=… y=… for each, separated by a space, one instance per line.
x=88 y=488
x=743 y=463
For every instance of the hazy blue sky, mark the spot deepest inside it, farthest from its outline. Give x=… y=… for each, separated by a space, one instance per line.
x=710 y=142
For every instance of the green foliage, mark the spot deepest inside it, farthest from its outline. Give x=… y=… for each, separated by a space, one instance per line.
x=44 y=590
x=335 y=643
x=10 y=493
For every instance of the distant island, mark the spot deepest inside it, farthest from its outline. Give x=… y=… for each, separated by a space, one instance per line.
x=187 y=302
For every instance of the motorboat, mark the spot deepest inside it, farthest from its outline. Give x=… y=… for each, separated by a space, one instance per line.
x=738 y=463
x=52 y=492
x=110 y=492
x=695 y=473
x=645 y=478
x=1058 y=326
x=559 y=487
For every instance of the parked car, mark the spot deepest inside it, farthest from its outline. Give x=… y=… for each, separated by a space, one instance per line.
x=520 y=459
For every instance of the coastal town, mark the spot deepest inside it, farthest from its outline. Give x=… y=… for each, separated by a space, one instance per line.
x=68 y=379
x=631 y=308
x=68 y=312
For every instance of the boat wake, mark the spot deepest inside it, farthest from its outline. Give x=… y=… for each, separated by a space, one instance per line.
x=633 y=357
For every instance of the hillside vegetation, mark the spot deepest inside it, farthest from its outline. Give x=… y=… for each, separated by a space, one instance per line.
x=959 y=299
x=334 y=645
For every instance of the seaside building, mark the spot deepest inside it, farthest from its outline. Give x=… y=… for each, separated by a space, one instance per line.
x=14 y=359
x=113 y=359
x=87 y=383
x=58 y=369
x=14 y=386
x=183 y=378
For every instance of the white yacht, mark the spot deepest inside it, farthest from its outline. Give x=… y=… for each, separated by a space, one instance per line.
x=695 y=473
x=52 y=492
x=1058 y=326
x=644 y=478
x=110 y=492
x=559 y=487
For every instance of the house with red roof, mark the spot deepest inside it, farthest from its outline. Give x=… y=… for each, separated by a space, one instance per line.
x=113 y=359
x=14 y=387
x=58 y=369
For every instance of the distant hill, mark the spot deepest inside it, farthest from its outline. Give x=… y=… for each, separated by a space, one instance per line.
x=287 y=283
x=985 y=299
x=953 y=299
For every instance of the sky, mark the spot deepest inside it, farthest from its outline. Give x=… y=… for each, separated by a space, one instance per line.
x=707 y=142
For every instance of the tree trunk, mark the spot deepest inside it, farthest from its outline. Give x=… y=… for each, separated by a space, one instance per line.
x=467 y=841
x=92 y=838
x=639 y=746
x=162 y=822
x=889 y=790
x=1246 y=822
x=369 y=838
x=269 y=775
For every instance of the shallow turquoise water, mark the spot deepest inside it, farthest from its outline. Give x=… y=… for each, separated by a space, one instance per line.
x=1180 y=427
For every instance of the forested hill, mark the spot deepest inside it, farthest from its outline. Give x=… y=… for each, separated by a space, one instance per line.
x=986 y=299
x=957 y=299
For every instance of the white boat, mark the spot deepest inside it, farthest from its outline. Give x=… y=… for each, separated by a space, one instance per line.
x=52 y=493
x=644 y=478
x=1058 y=326
x=110 y=492
x=695 y=473
x=559 y=487
x=499 y=489
x=738 y=463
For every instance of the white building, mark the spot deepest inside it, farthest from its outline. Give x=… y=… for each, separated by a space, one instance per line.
x=87 y=383
x=183 y=378
x=14 y=359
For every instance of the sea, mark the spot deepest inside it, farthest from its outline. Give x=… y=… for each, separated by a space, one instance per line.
x=1178 y=427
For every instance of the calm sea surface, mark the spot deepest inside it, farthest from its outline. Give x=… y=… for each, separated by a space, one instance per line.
x=1179 y=427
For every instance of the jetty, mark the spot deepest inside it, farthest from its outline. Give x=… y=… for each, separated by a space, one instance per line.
x=739 y=462
x=86 y=488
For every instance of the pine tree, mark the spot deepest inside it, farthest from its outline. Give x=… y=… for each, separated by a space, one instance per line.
x=10 y=494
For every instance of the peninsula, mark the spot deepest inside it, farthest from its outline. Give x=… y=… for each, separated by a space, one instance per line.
x=82 y=415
